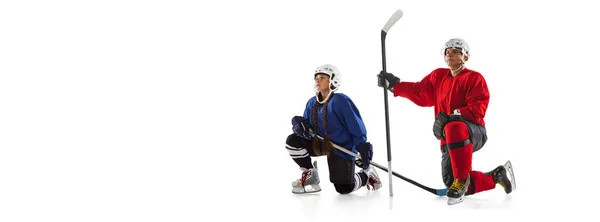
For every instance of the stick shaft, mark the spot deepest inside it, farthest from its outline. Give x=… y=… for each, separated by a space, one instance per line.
x=439 y=192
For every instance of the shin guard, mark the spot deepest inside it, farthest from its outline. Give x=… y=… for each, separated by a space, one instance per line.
x=459 y=148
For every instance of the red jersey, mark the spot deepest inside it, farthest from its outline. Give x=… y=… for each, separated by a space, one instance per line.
x=466 y=91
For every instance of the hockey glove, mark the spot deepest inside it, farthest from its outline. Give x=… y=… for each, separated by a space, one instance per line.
x=301 y=127
x=438 y=126
x=389 y=78
x=366 y=155
x=440 y=122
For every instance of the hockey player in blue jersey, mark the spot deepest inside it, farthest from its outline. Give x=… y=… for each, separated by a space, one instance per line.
x=335 y=118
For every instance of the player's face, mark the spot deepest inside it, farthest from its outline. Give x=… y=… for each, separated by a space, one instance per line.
x=453 y=57
x=322 y=82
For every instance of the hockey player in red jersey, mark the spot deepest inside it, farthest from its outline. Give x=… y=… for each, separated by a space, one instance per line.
x=460 y=99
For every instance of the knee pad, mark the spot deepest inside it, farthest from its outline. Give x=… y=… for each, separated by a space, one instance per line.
x=456 y=131
x=457 y=135
x=344 y=188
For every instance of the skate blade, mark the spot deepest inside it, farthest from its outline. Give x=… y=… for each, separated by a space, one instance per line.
x=452 y=201
x=307 y=189
x=509 y=168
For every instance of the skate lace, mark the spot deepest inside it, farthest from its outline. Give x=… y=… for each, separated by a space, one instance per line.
x=502 y=184
x=303 y=179
x=371 y=183
x=457 y=185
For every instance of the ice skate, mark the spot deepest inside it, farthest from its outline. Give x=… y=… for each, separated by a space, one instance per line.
x=456 y=192
x=504 y=176
x=308 y=182
x=373 y=179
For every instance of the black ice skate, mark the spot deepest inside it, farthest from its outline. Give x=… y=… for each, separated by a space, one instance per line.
x=504 y=176
x=456 y=192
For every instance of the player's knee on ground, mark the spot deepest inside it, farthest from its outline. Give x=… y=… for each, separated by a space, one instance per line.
x=456 y=130
x=294 y=141
x=344 y=188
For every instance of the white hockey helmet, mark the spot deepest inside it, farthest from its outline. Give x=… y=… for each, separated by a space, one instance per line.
x=334 y=75
x=457 y=43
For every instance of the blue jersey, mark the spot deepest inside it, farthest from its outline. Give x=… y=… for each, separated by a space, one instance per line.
x=345 y=126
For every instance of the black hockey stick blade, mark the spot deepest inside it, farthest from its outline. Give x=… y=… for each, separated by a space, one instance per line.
x=438 y=192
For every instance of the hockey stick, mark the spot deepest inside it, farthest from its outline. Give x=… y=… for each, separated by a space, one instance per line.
x=438 y=192
x=395 y=17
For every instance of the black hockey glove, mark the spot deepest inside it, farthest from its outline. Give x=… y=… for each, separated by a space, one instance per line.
x=389 y=78
x=440 y=122
x=366 y=155
x=301 y=127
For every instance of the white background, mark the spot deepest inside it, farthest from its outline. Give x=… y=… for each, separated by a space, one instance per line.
x=179 y=110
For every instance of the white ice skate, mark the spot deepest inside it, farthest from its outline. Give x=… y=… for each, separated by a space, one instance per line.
x=308 y=182
x=373 y=181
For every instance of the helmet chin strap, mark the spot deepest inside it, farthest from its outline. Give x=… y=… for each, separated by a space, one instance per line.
x=326 y=98
x=462 y=65
x=458 y=68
